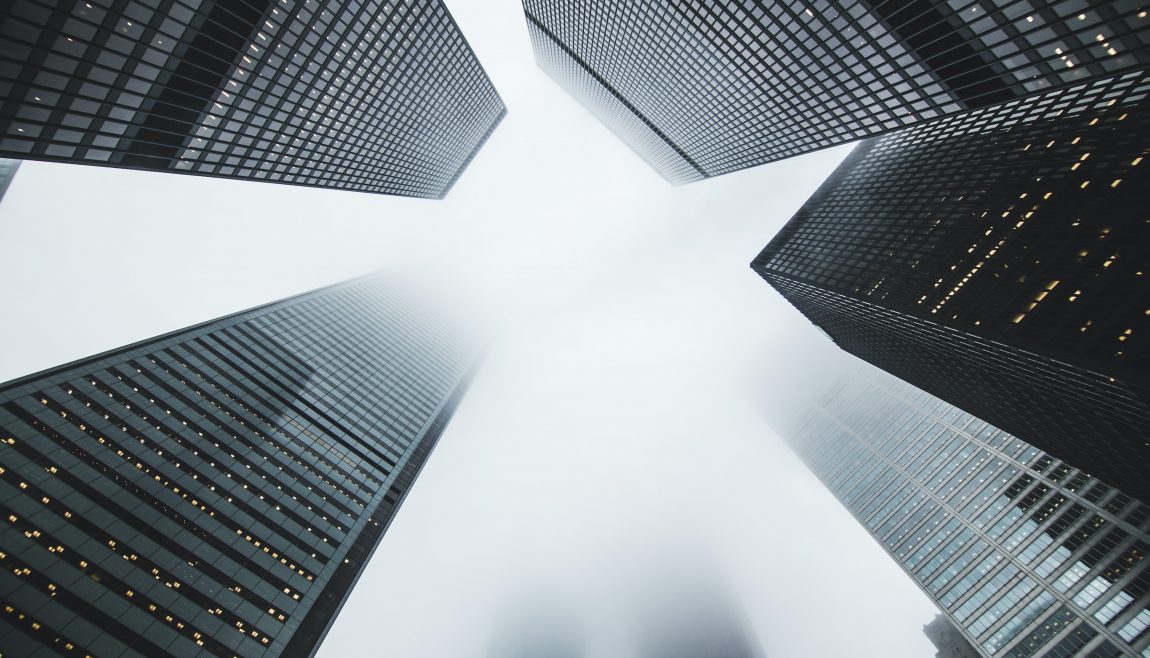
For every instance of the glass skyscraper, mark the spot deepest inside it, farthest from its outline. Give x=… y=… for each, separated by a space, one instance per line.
x=701 y=88
x=998 y=259
x=367 y=95
x=1026 y=554
x=217 y=491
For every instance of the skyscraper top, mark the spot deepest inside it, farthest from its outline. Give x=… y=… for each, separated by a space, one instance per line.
x=374 y=96
x=701 y=89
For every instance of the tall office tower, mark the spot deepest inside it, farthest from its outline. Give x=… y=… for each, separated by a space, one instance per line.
x=948 y=639
x=1026 y=554
x=366 y=95
x=998 y=260
x=702 y=88
x=7 y=173
x=218 y=490
x=691 y=616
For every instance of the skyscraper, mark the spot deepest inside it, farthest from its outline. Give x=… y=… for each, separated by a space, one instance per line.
x=997 y=259
x=1026 y=554
x=219 y=489
x=372 y=95
x=703 y=88
x=7 y=173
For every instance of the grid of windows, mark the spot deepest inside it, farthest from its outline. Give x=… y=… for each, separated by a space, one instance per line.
x=1026 y=554
x=997 y=259
x=217 y=491
x=730 y=85
x=368 y=95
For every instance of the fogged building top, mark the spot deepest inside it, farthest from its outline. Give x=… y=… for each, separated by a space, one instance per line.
x=998 y=260
x=691 y=616
x=1026 y=554
x=374 y=96
x=948 y=640
x=702 y=88
x=218 y=490
x=539 y=628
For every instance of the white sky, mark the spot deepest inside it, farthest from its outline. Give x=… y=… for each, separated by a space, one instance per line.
x=608 y=423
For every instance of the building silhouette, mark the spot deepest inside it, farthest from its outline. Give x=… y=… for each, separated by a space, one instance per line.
x=1026 y=554
x=371 y=96
x=217 y=490
x=691 y=615
x=704 y=88
x=7 y=173
x=997 y=259
x=540 y=627
x=948 y=640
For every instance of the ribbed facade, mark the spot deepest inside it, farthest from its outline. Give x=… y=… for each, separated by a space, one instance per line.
x=702 y=88
x=217 y=491
x=367 y=95
x=1026 y=554
x=997 y=259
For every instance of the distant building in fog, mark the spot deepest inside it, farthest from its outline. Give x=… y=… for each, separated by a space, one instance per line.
x=1000 y=260
x=1027 y=555
x=948 y=640
x=542 y=628
x=690 y=617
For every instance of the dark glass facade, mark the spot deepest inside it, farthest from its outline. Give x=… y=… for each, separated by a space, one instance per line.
x=701 y=88
x=366 y=95
x=1027 y=555
x=218 y=490
x=998 y=259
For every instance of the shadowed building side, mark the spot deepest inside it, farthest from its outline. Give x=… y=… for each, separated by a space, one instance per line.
x=369 y=96
x=998 y=260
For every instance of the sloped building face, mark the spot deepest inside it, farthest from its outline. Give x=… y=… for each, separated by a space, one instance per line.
x=1026 y=554
x=376 y=96
x=701 y=89
x=998 y=259
x=218 y=490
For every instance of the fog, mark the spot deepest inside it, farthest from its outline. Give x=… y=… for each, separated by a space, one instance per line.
x=612 y=421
